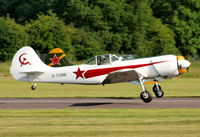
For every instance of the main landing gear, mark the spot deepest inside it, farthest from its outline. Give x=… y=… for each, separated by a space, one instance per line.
x=158 y=90
x=146 y=96
x=34 y=86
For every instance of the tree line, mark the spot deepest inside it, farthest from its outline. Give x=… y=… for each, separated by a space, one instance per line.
x=84 y=28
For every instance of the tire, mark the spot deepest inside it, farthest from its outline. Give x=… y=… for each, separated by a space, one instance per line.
x=146 y=96
x=33 y=87
x=158 y=92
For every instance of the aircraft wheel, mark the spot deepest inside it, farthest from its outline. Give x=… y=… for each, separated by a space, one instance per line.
x=33 y=87
x=158 y=91
x=146 y=96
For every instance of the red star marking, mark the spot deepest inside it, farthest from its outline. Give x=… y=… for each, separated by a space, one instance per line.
x=79 y=73
x=55 y=60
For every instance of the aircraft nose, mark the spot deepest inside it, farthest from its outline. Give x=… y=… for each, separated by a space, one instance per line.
x=183 y=65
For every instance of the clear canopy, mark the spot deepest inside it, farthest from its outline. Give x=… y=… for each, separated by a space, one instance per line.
x=102 y=59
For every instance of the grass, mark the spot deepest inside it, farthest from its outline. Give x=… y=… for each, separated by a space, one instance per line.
x=178 y=87
x=100 y=123
x=4 y=69
x=193 y=70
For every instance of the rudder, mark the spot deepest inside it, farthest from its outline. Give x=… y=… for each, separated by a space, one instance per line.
x=26 y=62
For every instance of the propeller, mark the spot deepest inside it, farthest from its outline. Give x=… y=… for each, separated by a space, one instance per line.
x=183 y=65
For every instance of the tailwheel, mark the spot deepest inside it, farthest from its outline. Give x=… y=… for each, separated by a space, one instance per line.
x=158 y=91
x=33 y=87
x=146 y=96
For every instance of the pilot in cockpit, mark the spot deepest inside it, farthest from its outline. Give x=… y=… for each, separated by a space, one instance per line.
x=101 y=59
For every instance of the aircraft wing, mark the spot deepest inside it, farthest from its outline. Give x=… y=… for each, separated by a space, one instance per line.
x=125 y=75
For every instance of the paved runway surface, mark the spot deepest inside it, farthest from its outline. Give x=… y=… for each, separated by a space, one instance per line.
x=108 y=103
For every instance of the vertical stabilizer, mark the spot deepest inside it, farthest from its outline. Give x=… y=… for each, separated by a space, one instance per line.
x=26 y=62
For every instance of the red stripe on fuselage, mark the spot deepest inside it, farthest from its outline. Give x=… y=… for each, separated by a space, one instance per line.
x=103 y=71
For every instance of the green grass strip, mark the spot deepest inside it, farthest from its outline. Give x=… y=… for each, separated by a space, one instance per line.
x=100 y=123
x=182 y=87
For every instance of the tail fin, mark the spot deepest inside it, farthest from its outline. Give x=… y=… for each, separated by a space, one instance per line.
x=26 y=63
x=57 y=58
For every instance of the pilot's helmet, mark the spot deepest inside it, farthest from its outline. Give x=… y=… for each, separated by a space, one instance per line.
x=102 y=57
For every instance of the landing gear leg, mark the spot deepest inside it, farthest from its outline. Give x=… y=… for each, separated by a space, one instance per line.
x=34 y=86
x=144 y=95
x=158 y=90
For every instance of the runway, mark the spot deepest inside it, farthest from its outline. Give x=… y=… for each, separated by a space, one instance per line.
x=92 y=103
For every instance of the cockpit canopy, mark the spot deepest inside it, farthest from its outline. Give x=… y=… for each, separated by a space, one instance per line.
x=102 y=59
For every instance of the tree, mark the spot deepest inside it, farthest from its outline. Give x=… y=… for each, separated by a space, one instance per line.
x=116 y=26
x=12 y=37
x=150 y=36
x=183 y=17
x=161 y=39
x=48 y=32
x=85 y=44
x=24 y=10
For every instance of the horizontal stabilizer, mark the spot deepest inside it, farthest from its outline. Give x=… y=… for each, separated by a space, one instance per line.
x=32 y=72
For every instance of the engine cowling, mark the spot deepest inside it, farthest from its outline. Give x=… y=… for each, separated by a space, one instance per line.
x=183 y=65
x=172 y=65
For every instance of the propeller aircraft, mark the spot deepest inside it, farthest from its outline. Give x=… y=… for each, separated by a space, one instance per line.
x=101 y=69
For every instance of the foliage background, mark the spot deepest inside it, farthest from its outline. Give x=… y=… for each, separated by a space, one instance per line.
x=84 y=28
